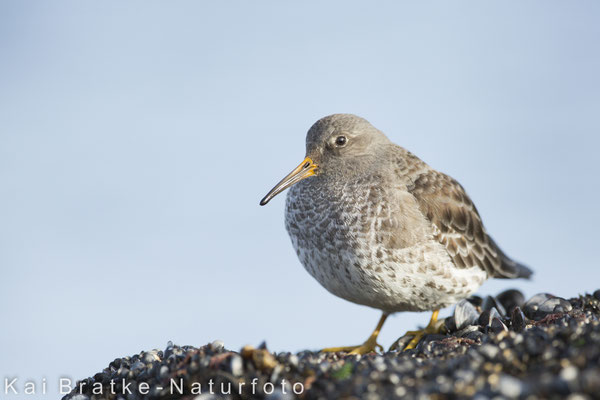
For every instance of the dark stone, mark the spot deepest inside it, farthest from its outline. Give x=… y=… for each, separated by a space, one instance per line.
x=532 y=305
x=490 y=302
x=101 y=377
x=486 y=317
x=475 y=300
x=590 y=379
x=465 y=331
x=449 y=324
x=138 y=366
x=475 y=335
x=123 y=372
x=163 y=372
x=510 y=299
x=497 y=326
x=552 y=306
x=517 y=320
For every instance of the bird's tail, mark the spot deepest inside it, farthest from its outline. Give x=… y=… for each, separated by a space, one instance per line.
x=510 y=269
x=517 y=270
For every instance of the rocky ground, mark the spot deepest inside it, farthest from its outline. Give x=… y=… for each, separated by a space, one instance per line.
x=502 y=347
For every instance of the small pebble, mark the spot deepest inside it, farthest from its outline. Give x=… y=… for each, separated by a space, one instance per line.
x=236 y=365
x=509 y=386
x=490 y=351
x=217 y=345
x=465 y=314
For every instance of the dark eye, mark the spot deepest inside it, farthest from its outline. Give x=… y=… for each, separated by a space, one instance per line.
x=341 y=141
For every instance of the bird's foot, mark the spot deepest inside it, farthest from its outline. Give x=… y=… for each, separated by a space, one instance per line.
x=418 y=335
x=434 y=327
x=369 y=346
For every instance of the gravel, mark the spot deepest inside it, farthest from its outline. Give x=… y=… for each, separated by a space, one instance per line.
x=503 y=346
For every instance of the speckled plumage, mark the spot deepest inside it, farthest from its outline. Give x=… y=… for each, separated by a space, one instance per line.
x=379 y=227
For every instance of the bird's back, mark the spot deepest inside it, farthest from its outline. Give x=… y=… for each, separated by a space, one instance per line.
x=457 y=224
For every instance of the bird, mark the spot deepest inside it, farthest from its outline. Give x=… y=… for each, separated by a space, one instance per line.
x=377 y=226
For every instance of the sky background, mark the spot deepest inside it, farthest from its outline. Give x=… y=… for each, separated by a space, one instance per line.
x=137 y=138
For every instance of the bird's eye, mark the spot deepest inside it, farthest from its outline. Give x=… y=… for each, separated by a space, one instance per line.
x=341 y=141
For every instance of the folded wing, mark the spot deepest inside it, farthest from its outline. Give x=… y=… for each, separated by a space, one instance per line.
x=458 y=226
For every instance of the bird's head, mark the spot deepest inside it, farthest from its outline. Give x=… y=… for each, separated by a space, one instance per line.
x=339 y=144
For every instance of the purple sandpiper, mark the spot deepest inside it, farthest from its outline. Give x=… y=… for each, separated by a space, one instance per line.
x=377 y=226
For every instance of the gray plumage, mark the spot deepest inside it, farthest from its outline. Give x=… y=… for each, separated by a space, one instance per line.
x=377 y=226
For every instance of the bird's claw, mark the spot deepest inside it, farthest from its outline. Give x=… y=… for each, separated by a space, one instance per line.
x=367 y=347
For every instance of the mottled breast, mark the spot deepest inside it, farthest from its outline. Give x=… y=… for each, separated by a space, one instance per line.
x=367 y=242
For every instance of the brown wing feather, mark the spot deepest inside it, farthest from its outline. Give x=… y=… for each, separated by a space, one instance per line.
x=458 y=226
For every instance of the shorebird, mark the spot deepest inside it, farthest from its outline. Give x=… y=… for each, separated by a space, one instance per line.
x=377 y=226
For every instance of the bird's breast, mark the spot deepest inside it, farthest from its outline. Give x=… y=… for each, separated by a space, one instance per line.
x=353 y=218
x=331 y=217
x=368 y=243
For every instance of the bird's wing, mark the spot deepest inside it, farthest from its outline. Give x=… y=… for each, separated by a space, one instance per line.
x=458 y=226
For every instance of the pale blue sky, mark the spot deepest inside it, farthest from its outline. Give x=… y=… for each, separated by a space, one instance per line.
x=136 y=139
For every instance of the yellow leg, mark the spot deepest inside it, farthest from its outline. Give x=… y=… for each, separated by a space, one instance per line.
x=367 y=347
x=430 y=328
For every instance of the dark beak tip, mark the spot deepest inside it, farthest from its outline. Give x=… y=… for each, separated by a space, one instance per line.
x=302 y=171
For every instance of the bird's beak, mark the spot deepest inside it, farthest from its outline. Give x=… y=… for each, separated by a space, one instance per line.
x=306 y=168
